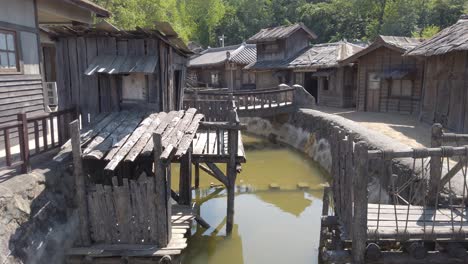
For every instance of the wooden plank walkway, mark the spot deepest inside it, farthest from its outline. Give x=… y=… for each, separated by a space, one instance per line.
x=212 y=146
x=182 y=217
x=401 y=222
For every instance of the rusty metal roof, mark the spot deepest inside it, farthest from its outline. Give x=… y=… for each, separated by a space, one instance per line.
x=281 y=32
x=122 y=64
x=453 y=38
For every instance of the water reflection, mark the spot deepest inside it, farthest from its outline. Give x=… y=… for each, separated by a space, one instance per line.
x=271 y=226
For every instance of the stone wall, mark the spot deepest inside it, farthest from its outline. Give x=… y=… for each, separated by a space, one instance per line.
x=309 y=131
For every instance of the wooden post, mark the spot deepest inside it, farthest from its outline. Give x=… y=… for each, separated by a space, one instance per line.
x=359 y=230
x=185 y=188
x=435 y=164
x=163 y=217
x=80 y=184
x=24 y=142
x=231 y=166
x=197 y=175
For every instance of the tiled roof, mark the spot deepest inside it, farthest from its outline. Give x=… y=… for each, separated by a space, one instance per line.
x=242 y=54
x=325 y=55
x=281 y=32
x=453 y=38
x=400 y=44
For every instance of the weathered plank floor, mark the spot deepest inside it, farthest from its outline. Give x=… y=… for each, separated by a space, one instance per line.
x=415 y=222
x=213 y=147
x=182 y=217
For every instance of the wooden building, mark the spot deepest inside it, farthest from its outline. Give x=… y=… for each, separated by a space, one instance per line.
x=318 y=71
x=223 y=67
x=388 y=81
x=445 y=85
x=106 y=69
x=276 y=48
x=25 y=50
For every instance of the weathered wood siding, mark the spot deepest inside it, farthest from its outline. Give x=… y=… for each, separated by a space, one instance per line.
x=384 y=59
x=446 y=91
x=103 y=92
x=22 y=91
x=341 y=88
x=295 y=43
x=267 y=79
x=241 y=77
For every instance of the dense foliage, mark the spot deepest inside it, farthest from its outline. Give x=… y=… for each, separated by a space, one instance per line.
x=205 y=20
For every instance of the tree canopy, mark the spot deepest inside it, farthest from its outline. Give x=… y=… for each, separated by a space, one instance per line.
x=204 y=21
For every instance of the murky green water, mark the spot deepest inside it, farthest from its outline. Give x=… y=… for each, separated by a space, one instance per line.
x=271 y=226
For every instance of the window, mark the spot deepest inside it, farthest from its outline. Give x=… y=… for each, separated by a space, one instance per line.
x=401 y=88
x=325 y=84
x=214 y=78
x=373 y=82
x=8 y=52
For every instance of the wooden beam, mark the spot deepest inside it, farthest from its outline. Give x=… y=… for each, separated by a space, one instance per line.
x=435 y=165
x=233 y=145
x=453 y=171
x=185 y=188
x=359 y=231
x=80 y=183
x=214 y=171
x=162 y=213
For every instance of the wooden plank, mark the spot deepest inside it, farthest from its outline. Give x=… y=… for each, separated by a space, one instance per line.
x=146 y=137
x=161 y=202
x=190 y=133
x=160 y=129
x=359 y=225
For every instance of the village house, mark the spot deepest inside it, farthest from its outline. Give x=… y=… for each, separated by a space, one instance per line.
x=319 y=72
x=388 y=81
x=276 y=48
x=445 y=85
x=106 y=69
x=27 y=54
x=224 y=67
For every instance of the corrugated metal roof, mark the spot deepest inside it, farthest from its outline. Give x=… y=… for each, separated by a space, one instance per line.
x=281 y=32
x=400 y=44
x=325 y=55
x=453 y=38
x=242 y=54
x=109 y=64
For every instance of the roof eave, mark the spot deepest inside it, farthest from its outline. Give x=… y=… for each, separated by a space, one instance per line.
x=98 y=10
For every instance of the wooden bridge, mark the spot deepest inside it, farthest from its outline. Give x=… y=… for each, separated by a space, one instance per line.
x=251 y=103
x=418 y=217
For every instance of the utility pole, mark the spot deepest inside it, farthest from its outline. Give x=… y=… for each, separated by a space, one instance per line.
x=222 y=38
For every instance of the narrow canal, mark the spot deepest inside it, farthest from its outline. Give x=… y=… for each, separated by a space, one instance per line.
x=271 y=226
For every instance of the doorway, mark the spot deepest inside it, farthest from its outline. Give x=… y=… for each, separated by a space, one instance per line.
x=311 y=85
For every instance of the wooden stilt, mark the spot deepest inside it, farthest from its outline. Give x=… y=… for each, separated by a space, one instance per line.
x=80 y=184
x=197 y=175
x=231 y=169
x=185 y=190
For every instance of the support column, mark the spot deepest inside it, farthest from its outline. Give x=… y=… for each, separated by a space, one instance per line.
x=233 y=142
x=162 y=193
x=24 y=142
x=80 y=184
x=197 y=175
x=435 y=165
x=359 y=232
x=185 y=188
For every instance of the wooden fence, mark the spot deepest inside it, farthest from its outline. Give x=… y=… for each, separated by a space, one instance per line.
x=48 y=131
x=421 y=206
x=265 y=102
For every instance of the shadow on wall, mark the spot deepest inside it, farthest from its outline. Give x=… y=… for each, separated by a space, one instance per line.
x=38 y=221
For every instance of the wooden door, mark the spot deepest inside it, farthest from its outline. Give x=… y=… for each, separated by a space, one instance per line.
x=373 y=92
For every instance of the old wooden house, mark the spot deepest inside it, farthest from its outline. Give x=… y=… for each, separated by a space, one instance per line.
x=224 y=67
x=276 y=48
x=26 y=52
x=319 y=72
x=445 y=85
x=388 y=81
x=106 y=69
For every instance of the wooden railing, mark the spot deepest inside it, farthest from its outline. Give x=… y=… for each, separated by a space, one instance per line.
x=265 y=102
x=45 y=131
x=363 y=177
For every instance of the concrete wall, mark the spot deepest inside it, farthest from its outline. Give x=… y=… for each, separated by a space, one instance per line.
x=309 y=131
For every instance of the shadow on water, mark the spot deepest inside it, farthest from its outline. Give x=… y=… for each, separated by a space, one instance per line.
x=271 y=226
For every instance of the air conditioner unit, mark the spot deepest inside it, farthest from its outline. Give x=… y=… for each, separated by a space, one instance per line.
x=51 y=94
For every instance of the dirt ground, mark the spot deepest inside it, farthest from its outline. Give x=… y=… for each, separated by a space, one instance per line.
x=404 y=128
